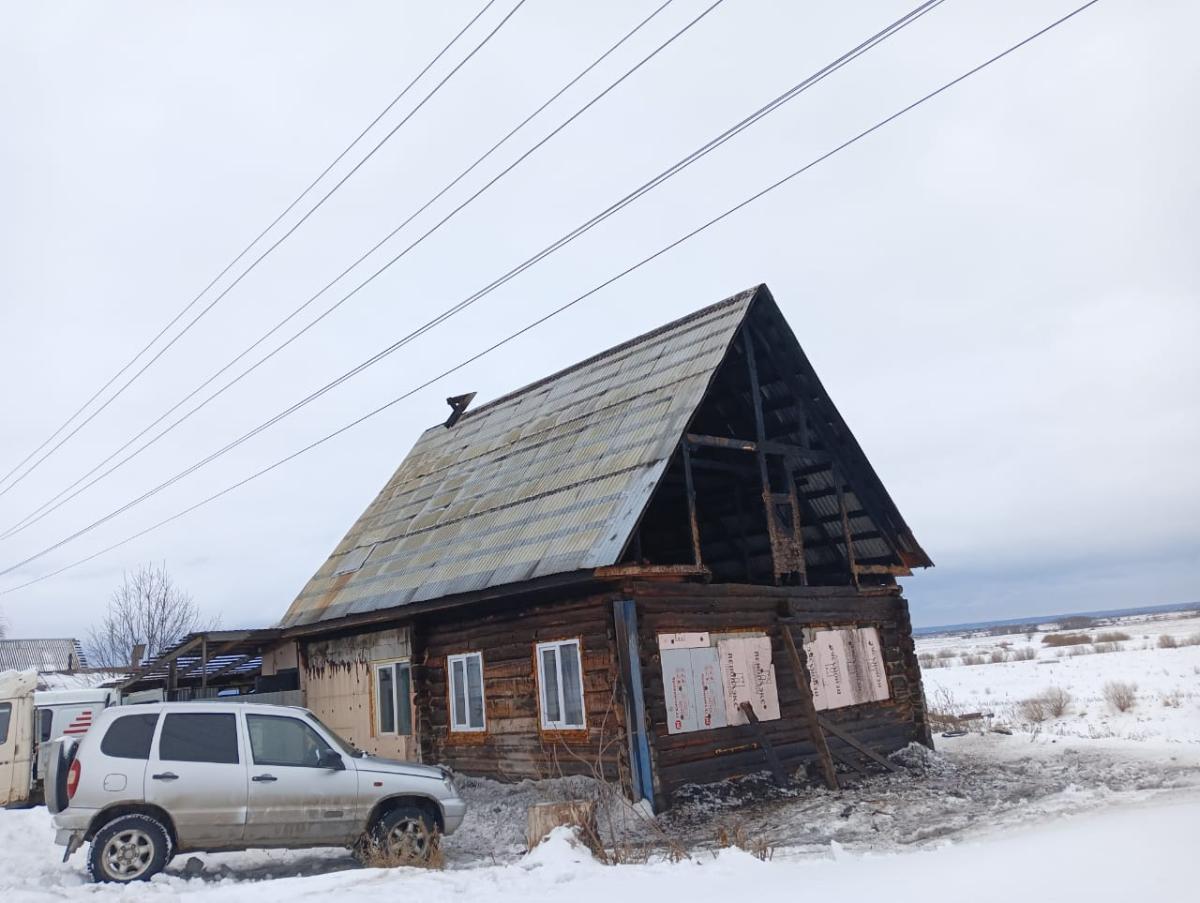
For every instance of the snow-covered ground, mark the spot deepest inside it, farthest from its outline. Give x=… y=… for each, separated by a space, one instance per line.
x=1096 y=804
x=1111 y=854
x=1166 y=680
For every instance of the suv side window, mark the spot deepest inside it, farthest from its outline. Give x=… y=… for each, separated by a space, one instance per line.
x=279 y=740
x=5 y=717
x=129 y=736
x=199 y=737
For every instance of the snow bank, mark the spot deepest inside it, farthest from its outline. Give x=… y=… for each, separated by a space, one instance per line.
x=1085 y=857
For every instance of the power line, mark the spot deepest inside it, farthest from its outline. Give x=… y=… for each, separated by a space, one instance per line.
x=462 y=305
x=562 y=308
x=50 y=505
x=260 y=258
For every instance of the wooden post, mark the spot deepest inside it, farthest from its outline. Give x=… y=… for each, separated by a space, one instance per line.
x=691 y=502
x=759 y=426
x=804 y=685
x=847 y=539
x=629 y=660
x=545 y=817
x=798 y=528
x=204 y=663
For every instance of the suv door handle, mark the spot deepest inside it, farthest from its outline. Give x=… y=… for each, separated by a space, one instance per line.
x=165 y=776
x=264 y=778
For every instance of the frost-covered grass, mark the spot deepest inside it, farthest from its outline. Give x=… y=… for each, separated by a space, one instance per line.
x=1165 y=677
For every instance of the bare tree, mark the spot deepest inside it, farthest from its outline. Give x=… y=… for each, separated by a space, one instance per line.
x=147 y=608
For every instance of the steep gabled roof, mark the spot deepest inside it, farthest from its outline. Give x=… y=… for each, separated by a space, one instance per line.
x=550 y=479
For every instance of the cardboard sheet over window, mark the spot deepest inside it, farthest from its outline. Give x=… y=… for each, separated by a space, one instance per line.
x=694 y=695
x=698 y=671
x=847 y=667
x=749 y=676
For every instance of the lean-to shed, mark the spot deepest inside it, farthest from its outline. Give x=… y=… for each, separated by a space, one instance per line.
x=632 y=565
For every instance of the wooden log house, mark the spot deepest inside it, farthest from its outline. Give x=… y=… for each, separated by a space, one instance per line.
x=670 y=562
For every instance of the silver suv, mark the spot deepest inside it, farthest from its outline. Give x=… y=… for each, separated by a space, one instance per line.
x=149 y=781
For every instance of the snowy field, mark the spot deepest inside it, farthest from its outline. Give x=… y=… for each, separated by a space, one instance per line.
x=1163 y=677
x=1093 y=803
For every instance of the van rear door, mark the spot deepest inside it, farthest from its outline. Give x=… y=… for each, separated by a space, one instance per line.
x=16 y=738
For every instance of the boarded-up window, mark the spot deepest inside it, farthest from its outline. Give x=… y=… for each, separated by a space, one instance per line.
x=694 y=689
x=749 y=677
x=706 y=678
x=847 y=667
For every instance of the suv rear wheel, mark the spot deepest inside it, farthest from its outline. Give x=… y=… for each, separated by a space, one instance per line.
x=129 y=848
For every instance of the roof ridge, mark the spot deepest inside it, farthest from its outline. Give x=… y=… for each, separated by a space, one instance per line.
x=615 y=349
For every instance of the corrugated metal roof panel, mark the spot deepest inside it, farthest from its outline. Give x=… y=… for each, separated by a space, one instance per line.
x=41 y=655
x=549 y=479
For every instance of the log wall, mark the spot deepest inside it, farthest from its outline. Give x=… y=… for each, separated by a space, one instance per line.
x=514 y=745
x=704 y=756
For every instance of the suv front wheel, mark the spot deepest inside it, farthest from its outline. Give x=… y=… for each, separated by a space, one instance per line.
x=129 y=848
x=406 y=835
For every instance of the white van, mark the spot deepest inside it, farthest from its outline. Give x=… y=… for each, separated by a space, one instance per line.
x=29 y=719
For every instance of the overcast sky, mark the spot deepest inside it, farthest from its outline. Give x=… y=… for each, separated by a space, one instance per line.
x=1000 y=290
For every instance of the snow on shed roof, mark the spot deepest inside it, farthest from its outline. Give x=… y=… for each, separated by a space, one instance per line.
x=547 y=480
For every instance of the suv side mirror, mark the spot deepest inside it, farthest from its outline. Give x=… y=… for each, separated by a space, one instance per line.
x=327 y=758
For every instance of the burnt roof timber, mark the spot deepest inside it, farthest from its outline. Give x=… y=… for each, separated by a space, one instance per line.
x=768 y=446
x=221 y=651
x=864 y=480
x=166 y=659
x=232 y=638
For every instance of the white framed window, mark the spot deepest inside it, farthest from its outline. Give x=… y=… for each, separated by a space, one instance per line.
x=465 y=673
x=560 y=679
x=393 y=698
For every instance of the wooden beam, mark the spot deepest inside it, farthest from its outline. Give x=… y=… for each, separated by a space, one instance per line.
x=168 y=660
x=804 y=685
x=693 y=522
x=721 y=442
x=797 y=526
x=847 y=538
x=893 y=570
x=236 y=663
x=769 y=446
x=777 y=772
x=848 y=760
x=207 y=656
x=653 y=571
x=861 y=747
x=864 y=488
x=204 y=663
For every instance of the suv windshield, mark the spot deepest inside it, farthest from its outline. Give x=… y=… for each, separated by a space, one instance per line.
x=348 y=748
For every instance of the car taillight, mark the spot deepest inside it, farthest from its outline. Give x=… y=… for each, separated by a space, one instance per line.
x=73 y=779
